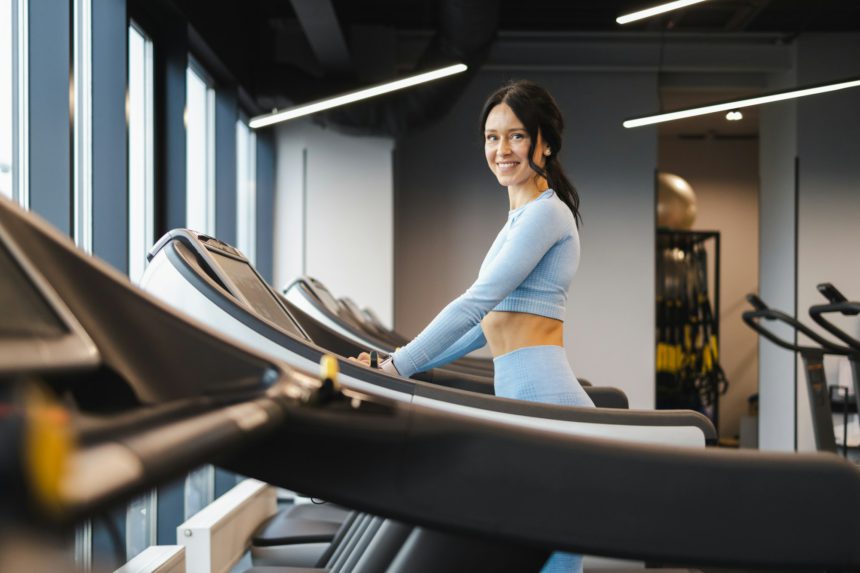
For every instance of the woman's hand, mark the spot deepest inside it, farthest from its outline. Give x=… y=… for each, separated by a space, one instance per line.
x=370 y=359
x=363 y=358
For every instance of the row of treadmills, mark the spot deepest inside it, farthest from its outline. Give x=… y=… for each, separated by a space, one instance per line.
x=208 y=364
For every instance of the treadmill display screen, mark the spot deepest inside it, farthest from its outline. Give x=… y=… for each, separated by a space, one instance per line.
x=24 y=313
x=255 y=291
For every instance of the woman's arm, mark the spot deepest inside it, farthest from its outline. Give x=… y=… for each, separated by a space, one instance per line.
x=531 y=235
x=472 y=340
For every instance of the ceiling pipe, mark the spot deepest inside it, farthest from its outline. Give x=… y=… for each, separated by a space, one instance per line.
x=466 y=32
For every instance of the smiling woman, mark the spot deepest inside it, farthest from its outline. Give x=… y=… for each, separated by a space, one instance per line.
x=517 y=304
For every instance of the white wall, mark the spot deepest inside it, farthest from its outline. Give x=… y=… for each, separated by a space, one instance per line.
x=449 y=209
x=821 y=132
x=724 y=175
x=777 y=278
x=829 y=182
x=333 y=213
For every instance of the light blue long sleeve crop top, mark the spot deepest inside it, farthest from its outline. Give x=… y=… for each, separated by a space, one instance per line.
x=528 y=269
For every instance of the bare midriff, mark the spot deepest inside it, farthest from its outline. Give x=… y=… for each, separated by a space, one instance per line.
x=509 y=331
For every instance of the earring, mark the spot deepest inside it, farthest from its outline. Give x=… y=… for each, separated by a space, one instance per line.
x=547 y=152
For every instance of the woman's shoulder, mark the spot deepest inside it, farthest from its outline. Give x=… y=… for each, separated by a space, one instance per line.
x=551 y=210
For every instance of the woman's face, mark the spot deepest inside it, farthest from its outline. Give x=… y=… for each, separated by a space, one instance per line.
x=506 y=146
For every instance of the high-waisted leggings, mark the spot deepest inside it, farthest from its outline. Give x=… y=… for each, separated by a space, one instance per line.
x=542 y=374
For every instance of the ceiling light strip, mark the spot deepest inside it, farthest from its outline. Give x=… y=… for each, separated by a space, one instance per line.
x=648 y=12
x=307 y=109
x=735 y=104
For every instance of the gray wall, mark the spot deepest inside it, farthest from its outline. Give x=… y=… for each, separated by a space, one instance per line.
x=448 y=209
x=829 y=187
x=777 y=244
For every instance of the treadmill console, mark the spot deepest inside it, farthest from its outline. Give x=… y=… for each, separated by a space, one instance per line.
x=235 y=273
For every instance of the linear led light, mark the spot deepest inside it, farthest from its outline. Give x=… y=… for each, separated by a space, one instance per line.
x=307 y=109
x=648 y=12
x=739 y=103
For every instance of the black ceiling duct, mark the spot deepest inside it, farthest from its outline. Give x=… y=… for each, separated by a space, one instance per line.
x=466 y=31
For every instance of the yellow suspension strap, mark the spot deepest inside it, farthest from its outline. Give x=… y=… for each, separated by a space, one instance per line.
x=662 y=358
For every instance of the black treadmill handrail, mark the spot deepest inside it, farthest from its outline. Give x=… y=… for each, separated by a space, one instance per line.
x=752 y=319
x=845 y=307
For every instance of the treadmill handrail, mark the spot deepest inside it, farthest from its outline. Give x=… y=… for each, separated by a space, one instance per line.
x=453 y=472
x=752 y=319
x=848 y=308
x=305 y=289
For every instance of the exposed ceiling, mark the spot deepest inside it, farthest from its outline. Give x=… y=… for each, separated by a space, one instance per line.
x=290 y=51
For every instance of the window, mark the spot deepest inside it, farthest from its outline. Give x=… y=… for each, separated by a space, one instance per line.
x=199 y=489
x=7 y=81
x=141 y=172
x=13 y=100
x=140 y=524
x=83 y=124
x=200 y=150
x=246 y=191
x=200 y=216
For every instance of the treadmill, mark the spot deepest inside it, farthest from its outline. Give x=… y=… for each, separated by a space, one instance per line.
x=212 y=282
x=837 y=303
x=173 y=393
x=813 y=363
x=216 y=284
x=105 y=391
x=313 y=298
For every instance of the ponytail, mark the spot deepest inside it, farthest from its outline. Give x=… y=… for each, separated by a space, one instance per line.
x=557 y=180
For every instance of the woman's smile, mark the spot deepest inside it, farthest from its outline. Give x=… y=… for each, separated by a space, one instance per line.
x=507 y=145
x=507 y=165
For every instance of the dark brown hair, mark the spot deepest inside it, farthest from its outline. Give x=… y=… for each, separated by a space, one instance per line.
x=536 y=108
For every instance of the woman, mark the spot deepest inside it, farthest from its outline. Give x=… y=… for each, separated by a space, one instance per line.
x=517 y=303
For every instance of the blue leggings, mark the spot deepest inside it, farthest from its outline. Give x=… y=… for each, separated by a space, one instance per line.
x=542 y=374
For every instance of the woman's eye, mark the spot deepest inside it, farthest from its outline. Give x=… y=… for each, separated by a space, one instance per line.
x=491 y=138
x=517 y=136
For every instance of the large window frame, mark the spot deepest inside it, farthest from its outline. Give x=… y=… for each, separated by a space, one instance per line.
x=200 y=149
x=140 y=118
